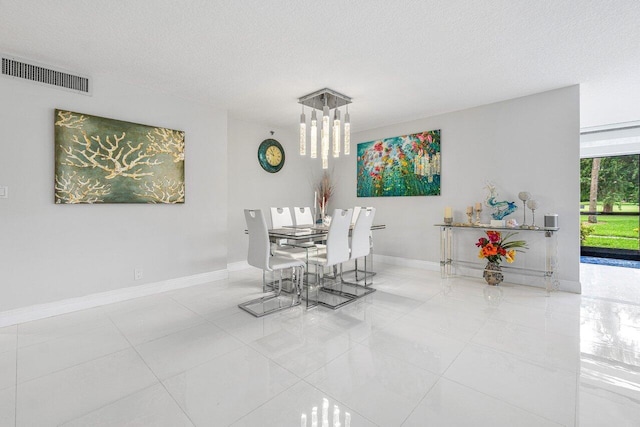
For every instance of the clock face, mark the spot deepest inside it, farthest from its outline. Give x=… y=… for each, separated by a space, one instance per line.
x=271 y=155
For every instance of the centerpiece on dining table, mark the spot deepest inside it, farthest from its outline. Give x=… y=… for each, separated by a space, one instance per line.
x=494 y=248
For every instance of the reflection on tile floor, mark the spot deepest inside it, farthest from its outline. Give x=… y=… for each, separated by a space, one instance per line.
x=419 y=351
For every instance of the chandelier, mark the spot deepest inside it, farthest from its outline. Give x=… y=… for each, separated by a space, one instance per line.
x=324 y=100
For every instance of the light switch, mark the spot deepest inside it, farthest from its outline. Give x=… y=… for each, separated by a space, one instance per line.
x=4 y=192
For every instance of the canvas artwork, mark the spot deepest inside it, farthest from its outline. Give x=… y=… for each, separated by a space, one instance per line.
x=100 y=160
x=407 y=165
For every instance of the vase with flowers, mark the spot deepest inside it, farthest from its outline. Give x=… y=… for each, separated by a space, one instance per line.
x=494 y=248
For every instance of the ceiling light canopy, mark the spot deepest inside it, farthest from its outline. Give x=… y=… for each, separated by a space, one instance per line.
x=325 y=100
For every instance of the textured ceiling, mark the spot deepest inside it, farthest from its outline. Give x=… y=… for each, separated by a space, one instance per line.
x=398 y=59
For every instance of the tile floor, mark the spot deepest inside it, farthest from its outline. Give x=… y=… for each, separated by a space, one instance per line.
x=417 y=352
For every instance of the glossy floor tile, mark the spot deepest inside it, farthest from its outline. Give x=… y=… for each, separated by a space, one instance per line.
x=380 y=387
x=224 y=389
x=64 y=395
x=418 y=351
x=152 y=406
x=452 y=404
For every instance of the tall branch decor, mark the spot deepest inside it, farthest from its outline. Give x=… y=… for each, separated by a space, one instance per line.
x=100 y=160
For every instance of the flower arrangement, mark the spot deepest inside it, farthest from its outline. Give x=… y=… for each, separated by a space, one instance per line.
x=495 y=246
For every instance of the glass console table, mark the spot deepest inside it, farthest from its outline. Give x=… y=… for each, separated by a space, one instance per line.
x=548 y=271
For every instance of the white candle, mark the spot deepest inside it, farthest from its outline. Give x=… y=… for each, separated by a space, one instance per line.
x=314 y=416
x=469 y=209
x=303 y=420
x=347 y=419
x=478 y=206
x=448 y=212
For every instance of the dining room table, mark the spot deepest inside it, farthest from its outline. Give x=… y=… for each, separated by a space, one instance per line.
x=308 y=237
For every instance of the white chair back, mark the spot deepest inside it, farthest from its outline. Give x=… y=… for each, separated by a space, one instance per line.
x=338 y=237
x=259 y=247
x=356 y=212
x=303 y=216
x=360 y=245
x=280 y=217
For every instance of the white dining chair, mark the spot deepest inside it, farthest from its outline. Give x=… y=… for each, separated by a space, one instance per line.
x=303 y=216
x=259 y=256
x=281 y=217
x=361 y=240
x=337 y=251
x=356 y=212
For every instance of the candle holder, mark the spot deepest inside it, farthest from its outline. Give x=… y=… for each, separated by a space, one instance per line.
x=470 y=216
x=448 y=221
x=533 y=205
x=478 y=211
x=524 y=196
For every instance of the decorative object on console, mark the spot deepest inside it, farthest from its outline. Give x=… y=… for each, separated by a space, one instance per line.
x=551 y=221
x=407 y=165
x=533 y=205
x=512 y=223
x=478 y=210
x=448 y=215
x=101 y=160
x=524 y=196
x=469 y=215
x=493 y=248
x=500 y=208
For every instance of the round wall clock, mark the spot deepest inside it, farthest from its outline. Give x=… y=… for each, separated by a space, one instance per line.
x=271 y=155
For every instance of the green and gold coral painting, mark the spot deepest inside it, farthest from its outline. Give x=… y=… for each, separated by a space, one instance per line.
x=100 y=160
x=407 y=165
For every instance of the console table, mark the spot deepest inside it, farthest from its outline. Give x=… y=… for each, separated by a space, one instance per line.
x=548 y=272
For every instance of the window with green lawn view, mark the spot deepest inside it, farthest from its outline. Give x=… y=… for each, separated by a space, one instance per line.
x=609 y=208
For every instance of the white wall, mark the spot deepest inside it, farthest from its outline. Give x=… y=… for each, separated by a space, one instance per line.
x=251 y=187
x=52 y=252
x=525 y=144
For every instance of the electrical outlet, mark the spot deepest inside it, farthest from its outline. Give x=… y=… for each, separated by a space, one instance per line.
x=137 y=274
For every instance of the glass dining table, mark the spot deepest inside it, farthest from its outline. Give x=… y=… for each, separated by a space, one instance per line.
x=309 y=238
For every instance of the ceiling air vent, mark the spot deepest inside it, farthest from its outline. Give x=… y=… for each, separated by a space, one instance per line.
x=12 y=67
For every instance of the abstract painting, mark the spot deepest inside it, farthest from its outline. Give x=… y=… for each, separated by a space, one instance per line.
x=407 y=165
x=100 y=160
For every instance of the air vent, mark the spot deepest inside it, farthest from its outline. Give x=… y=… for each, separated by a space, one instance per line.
x=11 y=67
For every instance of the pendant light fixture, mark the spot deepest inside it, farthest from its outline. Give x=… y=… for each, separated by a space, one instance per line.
x=303 y=134
x=330 y=128
x=314 y=135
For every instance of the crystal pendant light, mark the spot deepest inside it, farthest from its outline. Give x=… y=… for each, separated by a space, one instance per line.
x=336 y=133
x=314 y=135
x=303 y=133
x=347 y=133
x=325 y=135
x=330 y=130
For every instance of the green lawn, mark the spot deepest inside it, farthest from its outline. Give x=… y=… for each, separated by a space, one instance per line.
x=613 y=231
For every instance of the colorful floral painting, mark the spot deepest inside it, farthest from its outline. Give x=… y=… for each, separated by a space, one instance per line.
x=407 y=165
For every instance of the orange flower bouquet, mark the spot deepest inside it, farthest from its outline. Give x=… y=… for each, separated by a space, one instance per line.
x=495 y=246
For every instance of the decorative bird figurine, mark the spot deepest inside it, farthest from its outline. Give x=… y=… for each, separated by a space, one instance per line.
x=500 y=209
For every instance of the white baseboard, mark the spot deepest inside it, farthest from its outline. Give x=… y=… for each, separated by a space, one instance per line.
x=40 y=311
x=406 y=262
x=237 y=266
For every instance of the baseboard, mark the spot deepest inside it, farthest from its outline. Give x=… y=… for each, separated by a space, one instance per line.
x=237 y=266
x=406 y=262
x=40 y=311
